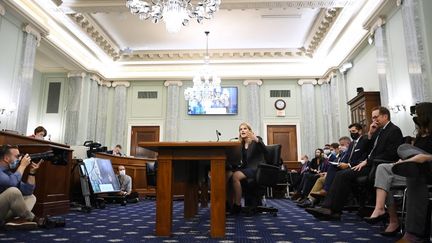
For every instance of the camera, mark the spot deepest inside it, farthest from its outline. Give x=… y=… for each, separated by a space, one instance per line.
x=413 y=110
x=56 y=156
x=94 y=147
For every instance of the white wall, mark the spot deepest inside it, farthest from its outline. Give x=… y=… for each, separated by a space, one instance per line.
x=11 y=44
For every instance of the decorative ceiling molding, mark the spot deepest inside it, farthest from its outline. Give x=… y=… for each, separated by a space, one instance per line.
x=386 y=9
x=173 y=82
x=98 y=6
x=90 y=26
x=318 y=32
x=214 y=55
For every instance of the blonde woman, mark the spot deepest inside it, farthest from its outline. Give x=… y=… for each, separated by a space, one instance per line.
x=253 y=153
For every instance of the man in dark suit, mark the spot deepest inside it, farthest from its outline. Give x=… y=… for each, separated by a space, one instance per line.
x=383 y=140
x=116 y=150
x=357 y=152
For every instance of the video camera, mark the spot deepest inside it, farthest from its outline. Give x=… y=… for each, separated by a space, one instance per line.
x=94 y=147
x=413 y=110
x=56 y=156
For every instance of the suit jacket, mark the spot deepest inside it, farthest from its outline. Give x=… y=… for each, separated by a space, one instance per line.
x=389 y=140
x=255 y=154
x=360 y=153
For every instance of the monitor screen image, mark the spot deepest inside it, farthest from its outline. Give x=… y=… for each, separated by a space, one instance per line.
x=101 y=175
x=223 y=103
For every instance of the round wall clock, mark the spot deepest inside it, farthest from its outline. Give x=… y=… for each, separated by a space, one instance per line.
x=280 y=104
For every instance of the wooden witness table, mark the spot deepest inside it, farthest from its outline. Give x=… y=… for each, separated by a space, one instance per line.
x=191 y=153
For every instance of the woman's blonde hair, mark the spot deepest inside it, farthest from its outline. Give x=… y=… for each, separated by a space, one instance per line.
x=248 y=126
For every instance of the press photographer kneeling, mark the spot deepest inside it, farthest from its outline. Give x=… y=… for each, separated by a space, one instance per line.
x=16 y=196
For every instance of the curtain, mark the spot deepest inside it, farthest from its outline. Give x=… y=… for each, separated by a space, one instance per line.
x=172 y=113
x=253 y=107
x=92 y=110
x=415 y=50
x=119 y=109
x=101 y=119
x=308 y=116
x=382 y=63
x=74 y=86
x=25 y=82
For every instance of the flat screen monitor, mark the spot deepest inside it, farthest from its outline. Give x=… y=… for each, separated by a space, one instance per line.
x=224 y=102
x=101 y=175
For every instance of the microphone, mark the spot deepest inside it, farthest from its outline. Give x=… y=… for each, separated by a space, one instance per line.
x=236 y=138
x=217 y=135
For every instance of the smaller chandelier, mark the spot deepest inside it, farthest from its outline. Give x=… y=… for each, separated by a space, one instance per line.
x=175 y=13
x=206 y=84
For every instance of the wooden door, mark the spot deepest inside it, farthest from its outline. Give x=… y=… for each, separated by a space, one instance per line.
x=143 y=134
x=286 y=136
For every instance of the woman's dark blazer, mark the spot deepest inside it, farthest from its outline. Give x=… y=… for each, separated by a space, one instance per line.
x=256 y=154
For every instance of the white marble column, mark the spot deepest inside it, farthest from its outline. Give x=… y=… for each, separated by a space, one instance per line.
x=383 y=66
x=415 y=49
x=119 y=130
x=2 y=10
x=102 y=112
x=74 y=86
x=93 y=107
x=326 y=105
x=172 y=111
x=253 y=104
x=31 y=41
x=308 y=116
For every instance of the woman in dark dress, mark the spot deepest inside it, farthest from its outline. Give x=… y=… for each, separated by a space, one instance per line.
x=418 y=170
x=253 y=153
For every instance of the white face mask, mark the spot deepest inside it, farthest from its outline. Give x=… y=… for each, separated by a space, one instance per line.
x=122 y=172
x=302 y=161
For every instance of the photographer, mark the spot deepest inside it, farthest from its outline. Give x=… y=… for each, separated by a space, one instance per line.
x=116 y=150
x=16 y=196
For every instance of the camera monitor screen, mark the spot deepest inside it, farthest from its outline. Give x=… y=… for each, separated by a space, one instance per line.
x=101 y=175
x=222 y=103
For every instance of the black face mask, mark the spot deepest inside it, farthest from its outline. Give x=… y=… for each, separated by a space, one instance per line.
x=354 y=136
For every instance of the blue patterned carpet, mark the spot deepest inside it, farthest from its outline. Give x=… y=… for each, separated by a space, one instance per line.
x=136 y=222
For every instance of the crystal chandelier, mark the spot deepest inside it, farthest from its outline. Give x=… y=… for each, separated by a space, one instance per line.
x=175 y=13
x=206 y=84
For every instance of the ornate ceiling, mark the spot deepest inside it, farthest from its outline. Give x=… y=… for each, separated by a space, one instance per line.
x=248 y=38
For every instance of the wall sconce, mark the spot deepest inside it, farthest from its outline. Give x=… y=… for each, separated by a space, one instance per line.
x=397 y=108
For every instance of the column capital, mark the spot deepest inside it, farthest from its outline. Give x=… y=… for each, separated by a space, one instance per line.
x=307 y=81
x=105 y=83
x=96 y=78
x=31 y=30
x=76 y=74
x=173 y=82
x=2 y=10
x=118 y=83
x=258 y=82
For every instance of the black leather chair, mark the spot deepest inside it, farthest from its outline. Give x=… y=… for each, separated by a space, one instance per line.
x=269 y=174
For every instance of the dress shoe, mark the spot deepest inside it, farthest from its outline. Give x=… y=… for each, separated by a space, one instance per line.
x=21 y=224
x=390 y=233
x=306 y=204
x=322 y=193
x=374 y=220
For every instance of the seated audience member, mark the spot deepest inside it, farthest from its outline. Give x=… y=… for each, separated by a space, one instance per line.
x=383 y=139
x=40 y=133
x=318 y=189
x=253 y=152
x=294 y=176
x=421 y=175
x=356 y=153
x=116 y=150
x=126 y=185
x=328 y=153
x=317 y=168
x=16 y=196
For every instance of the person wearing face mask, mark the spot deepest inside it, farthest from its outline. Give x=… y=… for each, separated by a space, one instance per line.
x=125 y=181
x=382 y=142
x=39 y=133
x=328 y=153
x=296 y=175
x=317 y=168
x=16 y=196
